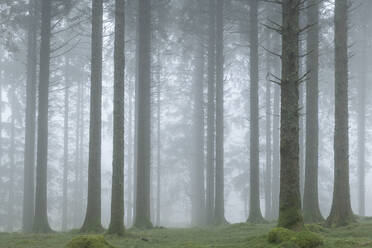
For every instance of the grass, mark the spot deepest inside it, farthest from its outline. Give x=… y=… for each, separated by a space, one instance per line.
x=229 y=236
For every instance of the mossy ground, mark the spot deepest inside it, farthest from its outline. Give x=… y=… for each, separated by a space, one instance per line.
x=229 y=236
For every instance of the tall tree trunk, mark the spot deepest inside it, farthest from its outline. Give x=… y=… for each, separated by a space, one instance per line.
x=142 y=219
x=362 y=110
x=117 y=195
x=65 y=150
x=76 y=190
x=92 y=220
x=80 y=169
x=290 y=199
x=276 y=155
x=129 y=208
x=11 y=196
x=29 y=150
x=219 y=211
x=255 y=215
x=341 y=213
x=211 y=114
x=197 y=173
x=158 y=147
x=268 y=170
x=311 y=211
x=41 y=223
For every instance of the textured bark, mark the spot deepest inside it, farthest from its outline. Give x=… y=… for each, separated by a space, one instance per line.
x=117 y=194
x=219 y=211
x=29 y=151
x=92 y=222
x=11 y=193
x=290 y=199
x=341 y=213
x=209 y=204
x=197 y=171
x=40 y=224
x=65 y=150
x=142 y=218
x=311 y=211
x=255 y=215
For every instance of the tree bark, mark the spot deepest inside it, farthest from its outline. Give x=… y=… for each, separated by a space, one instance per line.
x=210 y=191
x=142 y=218
x=255 y=215
x=197 y=173
x=290 y=199
x=65 y=149
x=311 y=211
x=276 y=154
x=11 y=193
x=219 y=211
x=130 y=189
x=92 y=222
x=41 y=224
x=117 y=195
x=30 y=125
x=268 y=170
x=341 y=212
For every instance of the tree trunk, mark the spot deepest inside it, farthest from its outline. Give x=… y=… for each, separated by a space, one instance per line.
x=219 y=211
x=11 y=196
x=129 y=208
x=290 y=199
x=65 y=150
x=276 y=155
x=311 y=211
x=341 y=213
x=268 y=170
x=197 y=173
x=41 y=224
x=158 y=147
x=29 y=150
x=255 y=215
x=211 y=115
x=117 y=194
x=92 y=222
x=142 y=219
x=76 y=190
x=362 y=109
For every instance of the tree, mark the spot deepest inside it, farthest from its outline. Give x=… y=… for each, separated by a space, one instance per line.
x=29 y=151
x=197 y=173
x=209 y=204
x=219 y=211
x=92 y=220
x=290 y=199
x=65 y=149
x=311 y=211
x=117 y=195
x=142 y=218
x=255 y=215
x=41 y=224
x=341 y=213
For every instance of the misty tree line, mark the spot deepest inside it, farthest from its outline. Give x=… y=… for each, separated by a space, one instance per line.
x=204 y=102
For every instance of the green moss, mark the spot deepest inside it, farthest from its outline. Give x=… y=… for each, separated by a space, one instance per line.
x=316 y=228
x=303 y=239
x=306 y=239
x=279 y=235
x=89 y=241
x=288 y=244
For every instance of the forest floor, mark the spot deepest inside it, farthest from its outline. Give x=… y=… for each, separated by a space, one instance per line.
x=236 y=235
